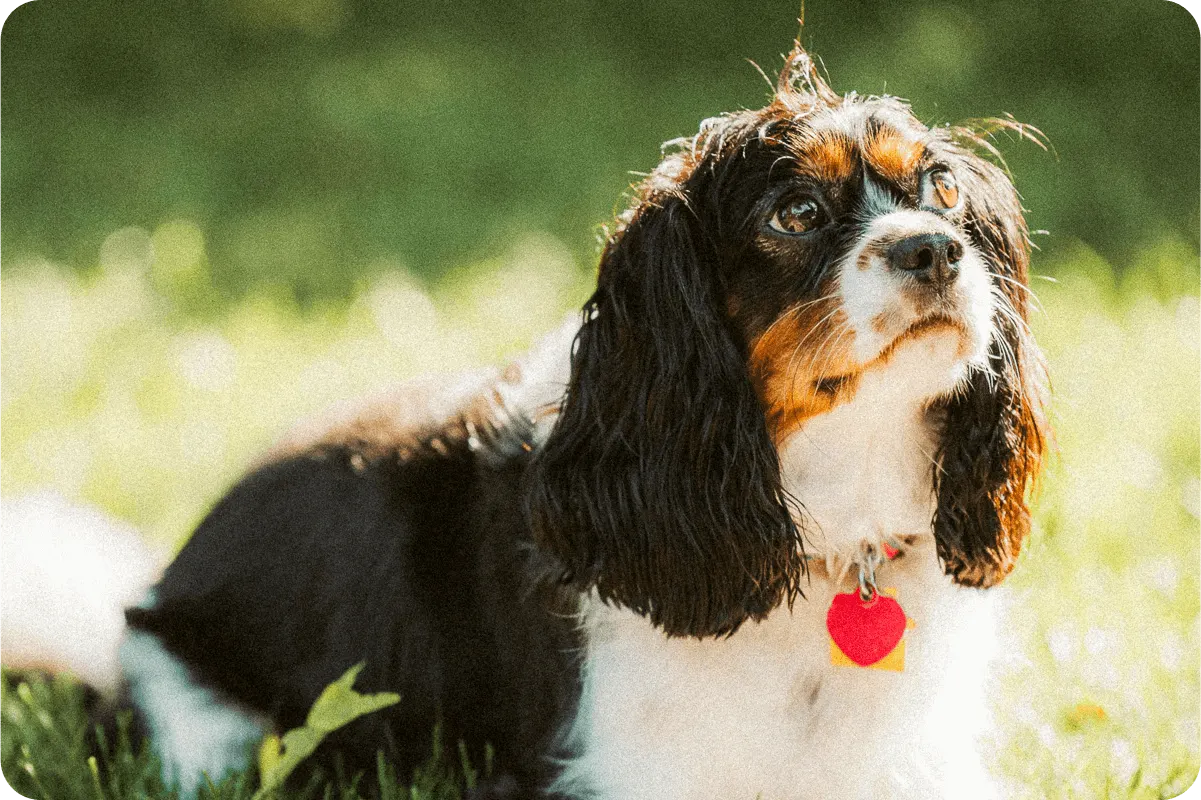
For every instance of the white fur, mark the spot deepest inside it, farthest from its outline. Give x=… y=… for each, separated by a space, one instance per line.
x=764 y=713
x=863 y=470
x=67 y=573
x=868 y=288
x=195 y=732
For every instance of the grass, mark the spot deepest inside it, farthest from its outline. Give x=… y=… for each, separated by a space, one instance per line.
x=46 y=745
x=115 y=392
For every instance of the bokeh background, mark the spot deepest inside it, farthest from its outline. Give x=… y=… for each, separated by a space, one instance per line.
x=222 y=216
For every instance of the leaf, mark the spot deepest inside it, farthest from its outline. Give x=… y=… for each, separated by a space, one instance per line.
x=338 y=705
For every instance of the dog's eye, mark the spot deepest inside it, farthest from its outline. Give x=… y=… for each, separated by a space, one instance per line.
x=940 y=190
x=800 y=214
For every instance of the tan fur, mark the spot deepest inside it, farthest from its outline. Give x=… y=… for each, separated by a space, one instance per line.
x=792 y=361
x=829 y=157
x=894 y=155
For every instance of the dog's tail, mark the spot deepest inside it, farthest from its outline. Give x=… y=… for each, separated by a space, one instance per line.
x=67 y=573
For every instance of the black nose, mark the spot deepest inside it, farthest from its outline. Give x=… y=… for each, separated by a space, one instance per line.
x=929 y=257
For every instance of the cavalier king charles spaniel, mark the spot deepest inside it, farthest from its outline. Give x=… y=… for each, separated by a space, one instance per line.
x=727 y=536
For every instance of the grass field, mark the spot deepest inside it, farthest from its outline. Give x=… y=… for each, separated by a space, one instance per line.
x=124 y=389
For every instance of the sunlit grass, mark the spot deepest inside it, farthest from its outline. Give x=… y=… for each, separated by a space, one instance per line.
x=135 y=389
x=1100 y=696
x=114 y=394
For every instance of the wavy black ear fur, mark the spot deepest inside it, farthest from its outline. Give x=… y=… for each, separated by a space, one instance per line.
x=659 y=485
x=995 y=428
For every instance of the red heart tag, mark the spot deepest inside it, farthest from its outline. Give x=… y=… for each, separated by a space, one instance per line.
x=865 y=630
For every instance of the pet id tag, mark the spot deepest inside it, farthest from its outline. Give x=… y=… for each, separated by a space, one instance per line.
x=867 y=633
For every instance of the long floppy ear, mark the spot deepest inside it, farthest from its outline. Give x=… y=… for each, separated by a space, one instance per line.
x=995 y=429
x=659 y=485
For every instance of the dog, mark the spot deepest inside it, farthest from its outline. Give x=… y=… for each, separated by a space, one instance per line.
x=729 y=534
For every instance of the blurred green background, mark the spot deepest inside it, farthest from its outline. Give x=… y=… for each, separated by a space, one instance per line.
x=220 y=217
x=317 y=141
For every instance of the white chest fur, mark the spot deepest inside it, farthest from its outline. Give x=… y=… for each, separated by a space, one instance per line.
x=764 y=713
x=864 y=470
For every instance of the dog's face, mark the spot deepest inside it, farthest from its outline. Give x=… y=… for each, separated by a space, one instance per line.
x=766 y=265
x=854 y=240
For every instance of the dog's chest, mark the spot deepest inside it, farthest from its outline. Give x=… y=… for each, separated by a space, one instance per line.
x=767 y=712
x=764 y=711
x=863 y=471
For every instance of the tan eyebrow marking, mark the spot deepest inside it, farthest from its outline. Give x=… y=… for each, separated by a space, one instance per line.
x=829 y=157
x=894 y=155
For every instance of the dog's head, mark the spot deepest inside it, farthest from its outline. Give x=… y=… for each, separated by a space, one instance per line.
x=765 y=265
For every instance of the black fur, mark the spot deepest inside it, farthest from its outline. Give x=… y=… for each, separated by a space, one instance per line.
x=660 y=485
x=419 y=567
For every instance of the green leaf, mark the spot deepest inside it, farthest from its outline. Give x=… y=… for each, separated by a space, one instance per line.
x=338 y=705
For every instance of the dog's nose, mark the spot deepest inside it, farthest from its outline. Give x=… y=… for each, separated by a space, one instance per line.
x=929 y=257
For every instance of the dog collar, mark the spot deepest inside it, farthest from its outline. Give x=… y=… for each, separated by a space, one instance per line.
x=870 y=557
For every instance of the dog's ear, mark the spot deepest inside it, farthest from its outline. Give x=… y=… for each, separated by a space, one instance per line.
x=659 y=486
x=995 y=428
